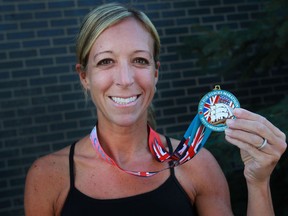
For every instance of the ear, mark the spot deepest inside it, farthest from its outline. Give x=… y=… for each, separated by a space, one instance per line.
x=157 y=72
x=82 y=76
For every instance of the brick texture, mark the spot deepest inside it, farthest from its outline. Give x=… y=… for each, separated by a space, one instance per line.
x=42 y=107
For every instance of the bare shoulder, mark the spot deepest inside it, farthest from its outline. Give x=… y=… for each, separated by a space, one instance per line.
x=205 y=183
x=50 y=165
x=204 y=160
x=46 y=181
x=203 y=168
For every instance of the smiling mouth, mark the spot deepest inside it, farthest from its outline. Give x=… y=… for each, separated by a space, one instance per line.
x=124 y=101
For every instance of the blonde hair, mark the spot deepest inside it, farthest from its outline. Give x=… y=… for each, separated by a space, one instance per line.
x=101 y=18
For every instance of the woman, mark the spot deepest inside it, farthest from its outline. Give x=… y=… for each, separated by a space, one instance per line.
x=118 y=63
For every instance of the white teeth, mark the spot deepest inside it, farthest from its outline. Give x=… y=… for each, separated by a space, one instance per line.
x=124 y=101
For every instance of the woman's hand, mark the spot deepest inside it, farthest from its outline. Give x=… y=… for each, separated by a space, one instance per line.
x=249 y=131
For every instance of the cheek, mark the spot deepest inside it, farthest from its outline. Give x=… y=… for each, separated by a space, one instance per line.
x=99 y=83
x=148 y=85
x=146 y=78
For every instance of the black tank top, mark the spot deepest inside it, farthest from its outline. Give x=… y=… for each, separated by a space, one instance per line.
x=168 y=199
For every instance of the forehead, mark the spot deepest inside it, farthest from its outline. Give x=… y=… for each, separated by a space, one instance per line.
x=128 y=33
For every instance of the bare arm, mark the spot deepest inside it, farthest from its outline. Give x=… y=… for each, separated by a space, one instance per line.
x=259 y=200
x=209 y=185
x=37 y=200
x=47 y=185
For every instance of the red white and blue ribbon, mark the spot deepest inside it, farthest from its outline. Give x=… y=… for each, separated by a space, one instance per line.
x=193 y=140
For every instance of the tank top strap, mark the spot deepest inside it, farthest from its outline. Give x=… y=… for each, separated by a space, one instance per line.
x=71 y=164
x=170 y=151
x=172 y=171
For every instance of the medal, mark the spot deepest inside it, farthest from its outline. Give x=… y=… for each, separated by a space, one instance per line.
x=216 y=107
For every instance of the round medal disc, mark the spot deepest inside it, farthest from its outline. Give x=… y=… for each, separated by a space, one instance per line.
x=215 y=107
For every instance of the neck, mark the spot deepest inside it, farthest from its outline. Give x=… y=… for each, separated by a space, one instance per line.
x=137 y=161
x=123 y=143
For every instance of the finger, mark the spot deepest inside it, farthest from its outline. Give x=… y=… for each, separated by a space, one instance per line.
x=252 y=127
x=258 y=129
x=266 y=157
x=251 y=150
x=245 y=114
x=246 y=137
x=245 y=141
x=254 y=123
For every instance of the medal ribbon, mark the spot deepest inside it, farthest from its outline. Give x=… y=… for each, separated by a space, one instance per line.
x=192 y=141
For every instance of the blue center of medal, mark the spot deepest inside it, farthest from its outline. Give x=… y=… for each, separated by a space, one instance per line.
x=216 y=107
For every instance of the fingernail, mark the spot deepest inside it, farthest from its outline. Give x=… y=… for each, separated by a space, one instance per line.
x=228 y=131
x=235 y=111
x=228 y=122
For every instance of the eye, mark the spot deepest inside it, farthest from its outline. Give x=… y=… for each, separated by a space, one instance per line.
x=105 y=62
x=141 y=61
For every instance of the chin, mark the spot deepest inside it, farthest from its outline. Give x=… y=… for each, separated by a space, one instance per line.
x=127 y=121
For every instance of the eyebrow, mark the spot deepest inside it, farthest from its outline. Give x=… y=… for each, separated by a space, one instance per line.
x=110 y=52
x=103 y=52
x=145 y=51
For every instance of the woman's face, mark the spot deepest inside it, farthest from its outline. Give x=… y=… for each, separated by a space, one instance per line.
x=121 y=73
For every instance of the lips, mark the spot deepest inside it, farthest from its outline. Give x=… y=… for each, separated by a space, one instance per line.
x=124 y=101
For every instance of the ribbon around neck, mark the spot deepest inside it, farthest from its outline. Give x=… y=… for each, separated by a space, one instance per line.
x=191 y=143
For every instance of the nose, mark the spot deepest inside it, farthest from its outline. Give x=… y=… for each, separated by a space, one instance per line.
x=124 y=76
